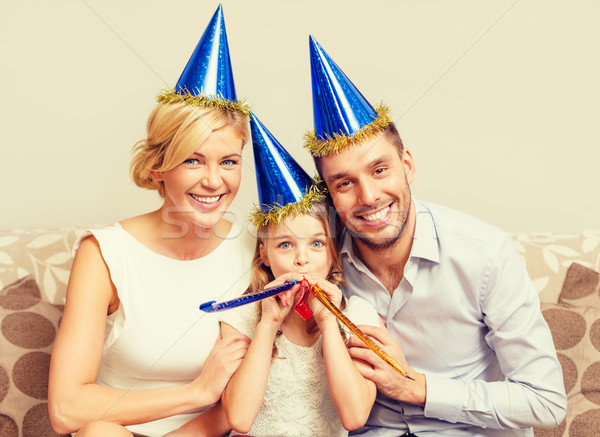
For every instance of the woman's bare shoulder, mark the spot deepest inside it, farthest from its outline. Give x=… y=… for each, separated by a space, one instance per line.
x=141 y=226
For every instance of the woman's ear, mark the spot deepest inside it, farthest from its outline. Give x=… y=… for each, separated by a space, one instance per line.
x=263 y=255
x=156 y=175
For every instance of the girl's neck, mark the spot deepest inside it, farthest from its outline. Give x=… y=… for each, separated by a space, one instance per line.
x=294 y=328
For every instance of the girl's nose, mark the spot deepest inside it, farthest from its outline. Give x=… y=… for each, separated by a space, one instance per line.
x=301 y=258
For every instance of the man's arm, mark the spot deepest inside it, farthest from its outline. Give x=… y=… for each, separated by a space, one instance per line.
x=532 y=395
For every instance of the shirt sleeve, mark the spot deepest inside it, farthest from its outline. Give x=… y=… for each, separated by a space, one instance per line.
x=243 y=318
x=532 y=393
x=361 y=312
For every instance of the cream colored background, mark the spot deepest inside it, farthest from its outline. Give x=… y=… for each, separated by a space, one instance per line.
x=498 y=101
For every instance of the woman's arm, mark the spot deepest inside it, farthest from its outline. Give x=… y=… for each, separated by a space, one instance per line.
x=353 y=395
x=74 y=399
x=245 y=392
x=211 y=423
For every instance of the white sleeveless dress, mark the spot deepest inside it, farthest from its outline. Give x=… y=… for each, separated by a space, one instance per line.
x=158 y=337
x=297 y=401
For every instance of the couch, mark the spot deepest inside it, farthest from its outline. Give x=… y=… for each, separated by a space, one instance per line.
x=34 y=270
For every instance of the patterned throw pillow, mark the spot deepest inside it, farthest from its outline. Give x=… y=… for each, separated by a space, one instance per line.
x=549 y=255
x=44 y=254
x=575 y=326
x=581 y=287
x=28 y=327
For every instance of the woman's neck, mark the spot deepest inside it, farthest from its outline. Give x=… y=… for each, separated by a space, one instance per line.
x=175 y=239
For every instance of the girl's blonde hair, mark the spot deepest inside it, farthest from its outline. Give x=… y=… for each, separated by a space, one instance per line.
x=261 y=275
x=174 y=132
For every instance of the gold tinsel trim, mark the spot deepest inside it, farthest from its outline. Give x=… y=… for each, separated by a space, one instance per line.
x=337 y=143
x=278 y=213
x=187 y=98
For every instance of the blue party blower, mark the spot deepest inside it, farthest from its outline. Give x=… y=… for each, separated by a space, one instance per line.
x=212 y=306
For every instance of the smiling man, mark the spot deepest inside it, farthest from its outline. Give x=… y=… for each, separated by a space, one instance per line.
x=458 y=309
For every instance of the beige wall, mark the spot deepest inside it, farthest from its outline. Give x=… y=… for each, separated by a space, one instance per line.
x=498 y=101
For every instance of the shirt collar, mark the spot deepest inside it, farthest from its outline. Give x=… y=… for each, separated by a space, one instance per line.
x=425 y=241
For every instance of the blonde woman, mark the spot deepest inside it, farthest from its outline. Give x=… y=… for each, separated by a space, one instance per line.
x=134 y=355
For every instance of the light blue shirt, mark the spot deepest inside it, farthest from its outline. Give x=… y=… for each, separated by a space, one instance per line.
x=467 y=316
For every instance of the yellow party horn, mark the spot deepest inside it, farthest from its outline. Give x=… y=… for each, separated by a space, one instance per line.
x=320 y=295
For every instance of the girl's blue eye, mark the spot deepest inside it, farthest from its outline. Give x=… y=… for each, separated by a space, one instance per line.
x=285 y=245
x=318 y=243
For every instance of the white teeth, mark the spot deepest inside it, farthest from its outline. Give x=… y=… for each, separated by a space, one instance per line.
x=204 y=199
x=377 y=216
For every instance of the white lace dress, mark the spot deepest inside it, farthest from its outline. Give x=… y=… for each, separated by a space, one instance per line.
x=297 y=401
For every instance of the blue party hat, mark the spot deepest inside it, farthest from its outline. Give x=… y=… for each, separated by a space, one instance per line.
x=284 y=188
x=207 y=79
x=342 y=115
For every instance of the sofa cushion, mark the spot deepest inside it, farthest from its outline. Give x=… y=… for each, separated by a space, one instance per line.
x=581 y=287
x=575 y=326
x=44 y=254
x=28 y=328
x=549 y=255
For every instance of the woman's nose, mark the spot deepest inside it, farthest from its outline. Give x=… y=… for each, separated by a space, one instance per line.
x=211 y=178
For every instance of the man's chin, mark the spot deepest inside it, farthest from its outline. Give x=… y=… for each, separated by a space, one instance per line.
x=377 y=242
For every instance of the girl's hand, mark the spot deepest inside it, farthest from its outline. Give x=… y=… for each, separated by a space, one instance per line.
x=320 y=312
x=276 y=308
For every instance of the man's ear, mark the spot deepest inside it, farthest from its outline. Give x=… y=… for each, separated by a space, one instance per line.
x=156 y=175
x=409 y=165
x=263 y=255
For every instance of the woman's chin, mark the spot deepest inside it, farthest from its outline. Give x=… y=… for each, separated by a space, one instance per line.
x=210 y=222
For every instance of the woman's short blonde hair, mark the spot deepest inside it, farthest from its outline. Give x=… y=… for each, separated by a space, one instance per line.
x=174 y=132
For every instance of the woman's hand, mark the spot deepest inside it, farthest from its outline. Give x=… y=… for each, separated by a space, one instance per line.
x=222 y=362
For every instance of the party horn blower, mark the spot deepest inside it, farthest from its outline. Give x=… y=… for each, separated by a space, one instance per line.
x=356 y=331
x=212 y=306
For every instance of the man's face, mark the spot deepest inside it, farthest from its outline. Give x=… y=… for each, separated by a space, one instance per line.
x=369 y=185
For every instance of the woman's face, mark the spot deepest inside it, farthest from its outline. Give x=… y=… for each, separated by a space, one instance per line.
x=300 y=245
x=202 y=187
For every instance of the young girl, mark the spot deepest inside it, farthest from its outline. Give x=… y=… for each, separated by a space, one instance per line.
x=297 y=378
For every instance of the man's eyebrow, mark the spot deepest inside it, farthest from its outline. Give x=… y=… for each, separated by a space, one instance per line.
x=336 y=176
x=341 y=175
x=379 y=160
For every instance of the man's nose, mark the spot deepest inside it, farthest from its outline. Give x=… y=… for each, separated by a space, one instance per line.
x=369 y=192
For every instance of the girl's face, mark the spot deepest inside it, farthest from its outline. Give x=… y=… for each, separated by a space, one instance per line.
x=299 y=245
x=202 y=187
